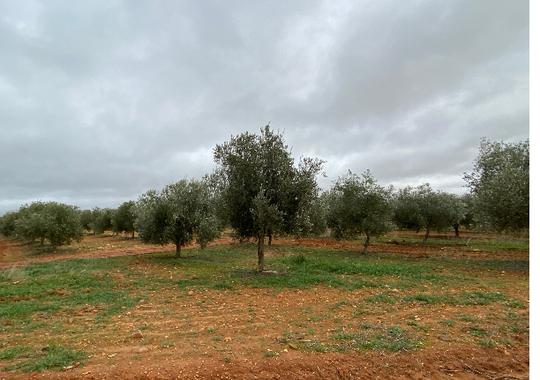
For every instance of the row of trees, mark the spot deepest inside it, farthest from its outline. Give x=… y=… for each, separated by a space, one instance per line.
x=120 y=220
x=357 y=206
x=53 y=222
x=259 y=192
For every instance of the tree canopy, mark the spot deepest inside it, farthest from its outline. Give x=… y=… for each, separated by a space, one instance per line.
x=264 y=192
x=54 y=222
x=7 y=223
x=178 y=214
x=358 y=205
x=423 y=208
x=101 y=220
x=123 y=218
x=499 y=183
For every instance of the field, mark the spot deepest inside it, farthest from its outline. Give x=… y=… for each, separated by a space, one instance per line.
x=111 y=307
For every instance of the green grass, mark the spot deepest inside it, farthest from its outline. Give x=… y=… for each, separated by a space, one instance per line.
x=368 y=337
x=382 y=298
x=464 y=298
x=504 y=243
x=447 y=322
x=14 y=352
x=51 y=287
x=49 y=358
x=477 y=331
x=392 y=338
x=229 y=267
x=467 y=317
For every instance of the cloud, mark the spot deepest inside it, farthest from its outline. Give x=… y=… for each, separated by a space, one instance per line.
x=100 y=101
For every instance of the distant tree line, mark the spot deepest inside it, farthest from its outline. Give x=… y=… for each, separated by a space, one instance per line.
x=259 y=192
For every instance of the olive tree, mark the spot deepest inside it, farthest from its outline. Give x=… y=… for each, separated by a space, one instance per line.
x=101 y=220
x=8 y=223
x=86 y=219
x=32 y=222
x=123 y=218
x=423 y=208
x=178 y=214
x=312 y=220
x=457 y=211
x=264 y=192
x=54 y=222
x=358 y=205
x=302 y=202
x=499 y=183
x=469 y=219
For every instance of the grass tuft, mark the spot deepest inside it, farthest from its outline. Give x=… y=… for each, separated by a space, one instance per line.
x=49 y=358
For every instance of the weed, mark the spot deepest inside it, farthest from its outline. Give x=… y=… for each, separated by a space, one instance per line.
x=50 y=357
x=222 y=286
x=465 y=298
x=487 y=343
x=515 y=304
x=477 y=331
x=14 y=352
x=466 y=317
x=447 y=322
x=393 y=338
x=382 y=298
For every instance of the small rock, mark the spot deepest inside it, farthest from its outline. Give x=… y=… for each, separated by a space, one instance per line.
x=137 y=335
x=227 y=339
x=67 y=368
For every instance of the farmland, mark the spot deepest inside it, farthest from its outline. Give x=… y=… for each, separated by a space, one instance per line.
x=111 y=307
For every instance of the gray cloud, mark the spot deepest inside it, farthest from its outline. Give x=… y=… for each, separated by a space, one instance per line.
x=100 y=101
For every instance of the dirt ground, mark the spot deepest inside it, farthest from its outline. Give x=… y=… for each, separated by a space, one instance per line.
x=456 y=363
x=239 y=333
x=14 y=253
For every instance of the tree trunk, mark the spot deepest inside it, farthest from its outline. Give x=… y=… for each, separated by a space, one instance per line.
x=426 y=236
x=269 y=238
x=133 y=234
x=456 y=229
x=366 y=244
x=178 y=249
x=260 y=253
x=41 y=241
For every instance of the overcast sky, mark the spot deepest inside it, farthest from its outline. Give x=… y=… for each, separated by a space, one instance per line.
x=100 y=101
